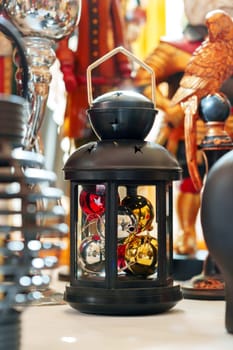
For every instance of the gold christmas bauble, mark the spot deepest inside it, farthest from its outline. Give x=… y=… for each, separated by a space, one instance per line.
x=142 y=209
x=141 y=254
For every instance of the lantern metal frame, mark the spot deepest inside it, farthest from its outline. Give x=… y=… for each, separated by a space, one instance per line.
x=127 y=294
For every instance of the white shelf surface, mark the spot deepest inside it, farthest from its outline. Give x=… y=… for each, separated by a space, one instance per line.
x=191 y=324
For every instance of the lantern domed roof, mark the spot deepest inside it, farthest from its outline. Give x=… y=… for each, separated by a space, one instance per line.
x=122 y=98
x=124 y=160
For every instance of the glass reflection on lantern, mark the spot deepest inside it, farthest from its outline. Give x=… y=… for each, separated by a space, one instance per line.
x=137 y=244
x=137 y=254
x=91 y=255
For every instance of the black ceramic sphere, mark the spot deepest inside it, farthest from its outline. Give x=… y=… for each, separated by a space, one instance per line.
x=122 y=115
x=214 y=108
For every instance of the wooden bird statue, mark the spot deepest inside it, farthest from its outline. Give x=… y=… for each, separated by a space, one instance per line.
x=212 y=62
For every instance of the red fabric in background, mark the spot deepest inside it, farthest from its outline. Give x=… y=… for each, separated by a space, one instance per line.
x=187 y=186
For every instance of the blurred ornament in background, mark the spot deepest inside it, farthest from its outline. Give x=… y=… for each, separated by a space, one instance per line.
x=196 y=11
x=101 y=28
x=207 y=70
x=48 y=18
x=41 y=25
x=214 y=109
x=31 y=214
x=31 y=224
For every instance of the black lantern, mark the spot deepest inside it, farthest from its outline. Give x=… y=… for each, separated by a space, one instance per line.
x=121 y=211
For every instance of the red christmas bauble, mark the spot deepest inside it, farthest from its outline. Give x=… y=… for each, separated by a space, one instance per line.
x=92 y=201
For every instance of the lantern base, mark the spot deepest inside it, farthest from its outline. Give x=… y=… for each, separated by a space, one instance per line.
x=127 y=301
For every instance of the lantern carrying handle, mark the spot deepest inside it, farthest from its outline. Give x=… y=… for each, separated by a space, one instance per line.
x=119 y=49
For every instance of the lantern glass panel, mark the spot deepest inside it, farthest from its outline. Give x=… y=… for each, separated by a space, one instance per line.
x=91 y=231
x=137 y=243
x=131 y=222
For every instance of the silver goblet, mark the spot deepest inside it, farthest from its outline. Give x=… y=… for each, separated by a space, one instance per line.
x=42 y=23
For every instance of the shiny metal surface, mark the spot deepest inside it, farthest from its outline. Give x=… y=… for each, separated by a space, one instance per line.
x=115 y=51
x=50 y=19
x=31 y=212
x=31 y=217
x=41 y=23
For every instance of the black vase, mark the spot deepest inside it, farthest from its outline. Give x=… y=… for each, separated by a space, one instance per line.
x=217 y=224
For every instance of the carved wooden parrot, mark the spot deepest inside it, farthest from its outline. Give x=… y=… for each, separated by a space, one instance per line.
x=212 y=62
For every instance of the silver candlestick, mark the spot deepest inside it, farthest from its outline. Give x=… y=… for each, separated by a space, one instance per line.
x=27 y=245
x=42 y=23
